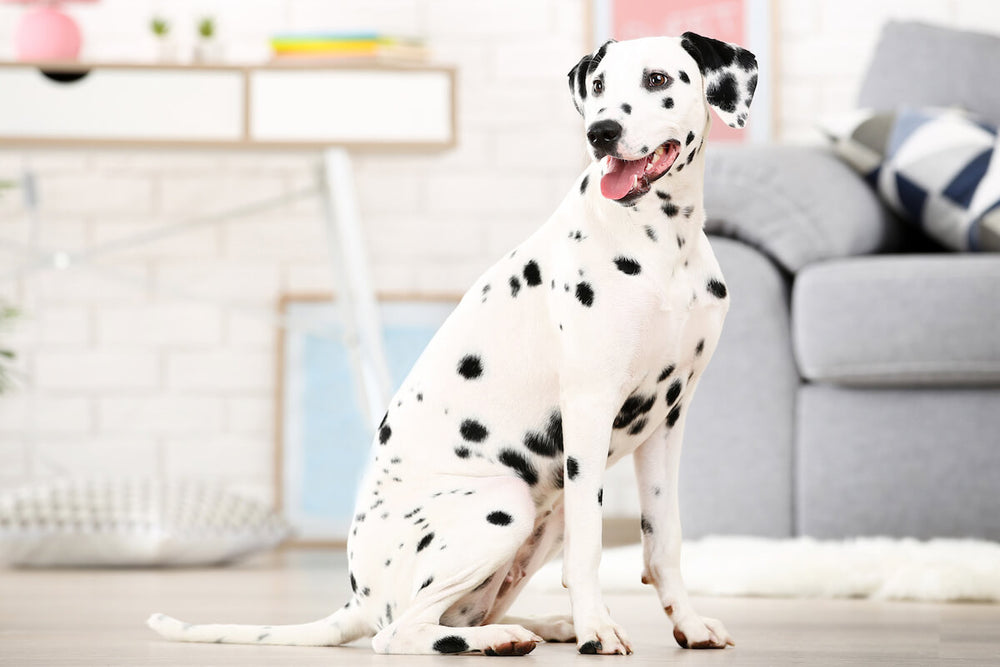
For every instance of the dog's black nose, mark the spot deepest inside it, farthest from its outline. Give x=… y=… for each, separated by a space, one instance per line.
x=604 y=133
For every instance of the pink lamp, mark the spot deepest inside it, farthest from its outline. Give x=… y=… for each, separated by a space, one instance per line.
x=45 y=33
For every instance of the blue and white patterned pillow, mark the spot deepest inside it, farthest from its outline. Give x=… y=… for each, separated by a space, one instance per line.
x=942 y=172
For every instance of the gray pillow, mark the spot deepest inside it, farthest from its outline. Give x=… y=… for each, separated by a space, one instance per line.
x=132 y=522
x=797 y=205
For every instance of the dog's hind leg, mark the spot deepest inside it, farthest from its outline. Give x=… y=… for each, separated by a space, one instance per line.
x=475 y=533
x=344 y=625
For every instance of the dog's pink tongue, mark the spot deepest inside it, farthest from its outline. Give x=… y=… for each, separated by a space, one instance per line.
x=618 y=181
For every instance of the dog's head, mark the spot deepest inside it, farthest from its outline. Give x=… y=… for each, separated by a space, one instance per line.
x=645 y=104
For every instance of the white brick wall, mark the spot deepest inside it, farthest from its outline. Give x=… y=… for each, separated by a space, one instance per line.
x=124 y=374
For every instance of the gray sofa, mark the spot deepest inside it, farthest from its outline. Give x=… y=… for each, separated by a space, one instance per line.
x=856 y=388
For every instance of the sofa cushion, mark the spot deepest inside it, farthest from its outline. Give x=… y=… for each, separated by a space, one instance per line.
x=899 y=321
x=942 y=172
x=928 y=66
x=797 y=205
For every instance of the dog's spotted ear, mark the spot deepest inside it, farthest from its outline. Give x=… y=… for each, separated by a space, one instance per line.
x=730 y=74
x=578 y=75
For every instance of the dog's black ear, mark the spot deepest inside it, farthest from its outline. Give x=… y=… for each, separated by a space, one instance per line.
x=578 y=75
x=730 y=75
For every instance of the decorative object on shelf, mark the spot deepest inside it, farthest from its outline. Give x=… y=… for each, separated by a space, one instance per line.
x=207 y=47
x=91 y=522
x=166 y=48
x=46 y=33
x=7 y=313
x=339 y=46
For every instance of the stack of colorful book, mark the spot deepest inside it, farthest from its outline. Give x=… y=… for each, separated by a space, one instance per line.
x=335 y=46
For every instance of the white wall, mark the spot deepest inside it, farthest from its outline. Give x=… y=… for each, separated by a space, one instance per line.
x=123 y=377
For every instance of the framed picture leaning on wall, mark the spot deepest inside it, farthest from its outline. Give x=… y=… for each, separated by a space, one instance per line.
x=323 y=440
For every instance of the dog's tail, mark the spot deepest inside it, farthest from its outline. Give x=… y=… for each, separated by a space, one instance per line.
x=344 y=625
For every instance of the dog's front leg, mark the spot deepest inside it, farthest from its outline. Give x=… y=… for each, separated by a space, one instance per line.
x=657 y=463
x=587 y=422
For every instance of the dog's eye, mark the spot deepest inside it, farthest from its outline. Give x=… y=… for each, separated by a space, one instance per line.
x=598 y=86
x=655 y=80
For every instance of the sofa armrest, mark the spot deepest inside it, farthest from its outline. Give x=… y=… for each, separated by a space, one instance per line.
x=796 y=204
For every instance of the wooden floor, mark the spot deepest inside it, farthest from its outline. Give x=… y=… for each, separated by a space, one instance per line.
x=85 y=617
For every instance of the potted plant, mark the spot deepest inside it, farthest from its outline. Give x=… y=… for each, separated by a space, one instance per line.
x=207 y=46
x=160 y=28
x=7 y=356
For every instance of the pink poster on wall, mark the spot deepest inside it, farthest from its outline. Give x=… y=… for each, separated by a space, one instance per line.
x=720 y=19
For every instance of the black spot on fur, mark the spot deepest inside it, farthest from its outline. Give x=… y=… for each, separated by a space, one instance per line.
x=674 y=392
x=723 y=93
x=365 y=592
x=462 y=452
x=591 y=648
x=572 y=468
x=516 y=462
x=354 y=584
x=690 y=138
x=627 y=265
x=647 y=528
x=473 y=431
x=627 y=108
x=680 y=241
x=427 y=582
x=634 y=405
x=680 y=168
x=751 y=85
x=424 y=541
x=651 y=233
x=470 y=367
x=532 y=275
x=499 y=518
x=548 y=442
x=637 y=427
x=688 y=210
x=665 y=373
x=583 y=183
x=717 y=288
x=690 y=156
x=451 y=644
x=388 y=613
x=699 y=348
x=515 y=286
x=384 y=434
x=668 y=103
x=682 y=75
x=600 y=496
x=673 y=415
x=585 y=294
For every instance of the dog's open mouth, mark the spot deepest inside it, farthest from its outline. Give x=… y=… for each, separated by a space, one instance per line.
x=630 y=178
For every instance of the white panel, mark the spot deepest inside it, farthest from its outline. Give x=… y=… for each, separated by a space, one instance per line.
x=123 y=104
x=350 y=106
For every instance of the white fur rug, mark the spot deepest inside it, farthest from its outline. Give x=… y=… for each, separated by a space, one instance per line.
x=941 y=570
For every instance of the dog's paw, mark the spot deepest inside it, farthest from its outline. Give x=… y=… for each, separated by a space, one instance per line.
x=509 y=640
x=603 y=637
x=702 y=632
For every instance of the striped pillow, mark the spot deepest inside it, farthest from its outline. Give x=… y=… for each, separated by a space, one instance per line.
x=940 y=173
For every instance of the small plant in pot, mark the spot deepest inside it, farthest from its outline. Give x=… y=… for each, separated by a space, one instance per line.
x=166 y=49
x=207 y=48
x=7 y=356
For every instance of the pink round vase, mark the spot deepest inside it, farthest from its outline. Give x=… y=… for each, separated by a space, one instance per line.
x=46 y=33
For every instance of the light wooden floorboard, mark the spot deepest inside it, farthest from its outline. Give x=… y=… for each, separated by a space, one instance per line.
x=89 y=617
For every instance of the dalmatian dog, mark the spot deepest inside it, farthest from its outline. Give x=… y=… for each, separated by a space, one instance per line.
x=582 y=346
